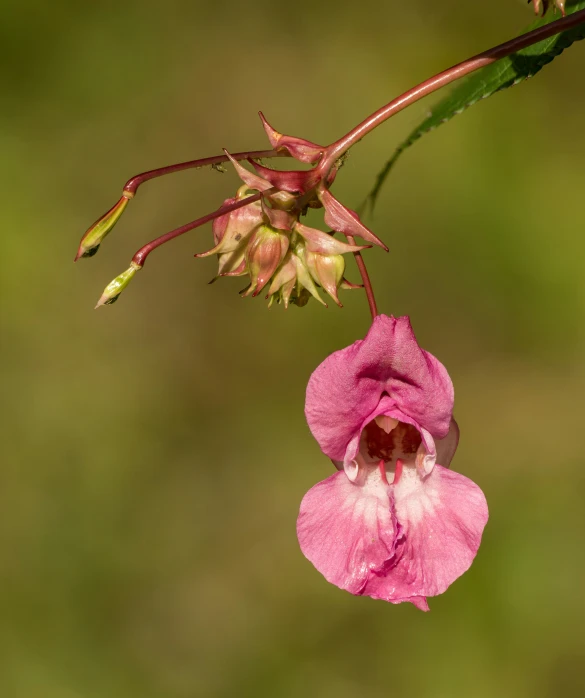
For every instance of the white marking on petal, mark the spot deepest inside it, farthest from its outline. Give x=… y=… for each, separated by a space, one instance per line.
x=416 y=500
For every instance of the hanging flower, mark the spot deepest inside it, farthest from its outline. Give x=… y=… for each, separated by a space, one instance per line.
x=394 y=523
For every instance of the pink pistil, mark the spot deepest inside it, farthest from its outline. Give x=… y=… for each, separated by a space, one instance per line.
x=398 y=471
x=383 y=472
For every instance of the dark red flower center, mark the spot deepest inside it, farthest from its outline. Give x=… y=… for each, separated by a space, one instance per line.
x=404 y=439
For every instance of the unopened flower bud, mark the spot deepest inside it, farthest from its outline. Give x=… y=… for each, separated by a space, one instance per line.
x=327 y=270
x=264 y=253
x=113 y=290
x=231 y=233
x=94 y=236
x=292 y=282
x=284 y=280
x=304 y=278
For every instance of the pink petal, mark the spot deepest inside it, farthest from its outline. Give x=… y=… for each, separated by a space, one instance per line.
x=346 y=529
x=441 y=518
x=419 y=601
x=349 y=385
x=343 y=220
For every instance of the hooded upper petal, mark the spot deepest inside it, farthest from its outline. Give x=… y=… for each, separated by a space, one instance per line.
x=348 y=386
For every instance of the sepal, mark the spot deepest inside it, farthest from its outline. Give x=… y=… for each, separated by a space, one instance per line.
x=343 y=220
x=324 y=243
x=299 y=148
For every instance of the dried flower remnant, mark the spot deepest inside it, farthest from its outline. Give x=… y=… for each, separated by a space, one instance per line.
x=543 y=5
x=395 y=523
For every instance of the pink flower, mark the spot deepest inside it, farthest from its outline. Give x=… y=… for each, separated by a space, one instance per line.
x=394 y=523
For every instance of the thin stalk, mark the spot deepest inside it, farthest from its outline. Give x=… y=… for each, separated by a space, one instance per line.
x=140 y=256
x=337 y=149
x=133 y=183
x=361 y=265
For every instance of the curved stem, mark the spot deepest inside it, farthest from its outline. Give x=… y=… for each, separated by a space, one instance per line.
x=140 y=256
x=361 y=265
x=336 y=150
x=134 y=182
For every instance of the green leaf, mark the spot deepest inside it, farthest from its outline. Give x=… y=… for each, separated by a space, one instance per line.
x=506 y=72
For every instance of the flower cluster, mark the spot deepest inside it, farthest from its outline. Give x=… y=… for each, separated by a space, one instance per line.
x=266 y=240
x=394 y=523
x=258 y=232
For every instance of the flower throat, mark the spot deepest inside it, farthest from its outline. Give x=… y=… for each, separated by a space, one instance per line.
x=404 y=438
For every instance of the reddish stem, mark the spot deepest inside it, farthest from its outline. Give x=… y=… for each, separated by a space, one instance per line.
x=140 y=257
x=359 y=260
x=132 y=184
x=336 y=150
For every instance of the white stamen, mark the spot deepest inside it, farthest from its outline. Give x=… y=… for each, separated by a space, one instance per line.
x=386 y=423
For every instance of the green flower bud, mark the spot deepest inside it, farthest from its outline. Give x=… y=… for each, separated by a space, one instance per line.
x=113 y=290
x=94 y=236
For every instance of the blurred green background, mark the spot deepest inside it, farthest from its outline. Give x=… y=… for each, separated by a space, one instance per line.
x=156 y=452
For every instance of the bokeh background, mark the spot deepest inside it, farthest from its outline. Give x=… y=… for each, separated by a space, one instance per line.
x=155 y=452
